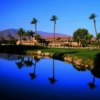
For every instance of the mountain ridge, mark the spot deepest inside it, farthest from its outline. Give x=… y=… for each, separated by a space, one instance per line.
x=13 y=32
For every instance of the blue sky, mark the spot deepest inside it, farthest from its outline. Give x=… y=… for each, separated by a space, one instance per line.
x=72 y=14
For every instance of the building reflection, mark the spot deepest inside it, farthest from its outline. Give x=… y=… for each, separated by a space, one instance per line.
x=53 y=79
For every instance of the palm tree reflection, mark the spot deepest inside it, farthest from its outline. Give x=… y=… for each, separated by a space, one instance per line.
x=52 y=79
x=92 y=84
x=28 y=62
x=20 y=63
x=33 y=74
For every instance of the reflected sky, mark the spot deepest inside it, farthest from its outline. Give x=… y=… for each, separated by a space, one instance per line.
x=16 y=84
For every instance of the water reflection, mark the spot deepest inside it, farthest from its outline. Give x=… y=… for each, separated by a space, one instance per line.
x=33 y=74
x=28 y=62
x=78 y=68
x=20 y=63
x=8 y=56
x=53 y=79
x=72 y=83
x=92 y=84
x=95 y=71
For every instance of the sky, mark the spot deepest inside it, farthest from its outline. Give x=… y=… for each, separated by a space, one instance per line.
x=71 y=14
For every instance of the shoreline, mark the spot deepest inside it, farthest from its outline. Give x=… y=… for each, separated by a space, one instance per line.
x=82 y=58
x=76 y=61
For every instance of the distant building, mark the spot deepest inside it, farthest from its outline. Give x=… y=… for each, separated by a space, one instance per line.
x=62 y=42
x=27 y=42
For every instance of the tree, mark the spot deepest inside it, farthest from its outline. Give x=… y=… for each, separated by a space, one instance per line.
x=30 y=34
x=20 y=33
x=54 y=19
x=92 y=17
x=34 y=21
x=80 y=36
x=89 y=38
x=98 y=36
x=98 y=40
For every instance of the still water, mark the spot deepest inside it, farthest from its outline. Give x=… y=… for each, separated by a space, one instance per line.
x=26 y=78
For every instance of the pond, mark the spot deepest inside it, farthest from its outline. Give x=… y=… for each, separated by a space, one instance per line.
x=26 y=78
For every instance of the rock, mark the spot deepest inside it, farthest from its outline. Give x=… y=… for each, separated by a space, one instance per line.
x=77 y=62
x=69 y=59
x=39 y=52
x=86 y=66
x=47 y=54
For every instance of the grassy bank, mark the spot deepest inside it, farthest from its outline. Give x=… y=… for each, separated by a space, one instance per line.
x=59 y=52
x=81 y=53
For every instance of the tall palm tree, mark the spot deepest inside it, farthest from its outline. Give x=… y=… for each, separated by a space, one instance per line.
x=54 y=19
x=21 y=32
x=34 y=21
x=92 y=17
x=29 y=34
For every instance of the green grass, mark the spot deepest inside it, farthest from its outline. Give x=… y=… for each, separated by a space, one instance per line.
x=60 y=52
x=82 y=53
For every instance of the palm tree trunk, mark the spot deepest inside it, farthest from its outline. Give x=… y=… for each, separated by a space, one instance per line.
x=36 y=30
x=34 y=67
x=53 y=69
x=54 y=30
x=95 y=27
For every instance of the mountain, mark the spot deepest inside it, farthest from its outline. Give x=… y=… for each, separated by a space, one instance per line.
x=50 y=35
x=9 y=32
x=13 y=32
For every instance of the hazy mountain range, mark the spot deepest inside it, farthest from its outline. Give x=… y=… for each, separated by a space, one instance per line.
x=13 y=32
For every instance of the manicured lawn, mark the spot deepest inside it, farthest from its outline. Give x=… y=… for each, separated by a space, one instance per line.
x=19 y=49
x=82 y=53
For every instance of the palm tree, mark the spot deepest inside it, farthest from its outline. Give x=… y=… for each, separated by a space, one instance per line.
x=21 y=32
x=34 y=21
x=54 y=19
x=92 y=17
x=28 y=34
